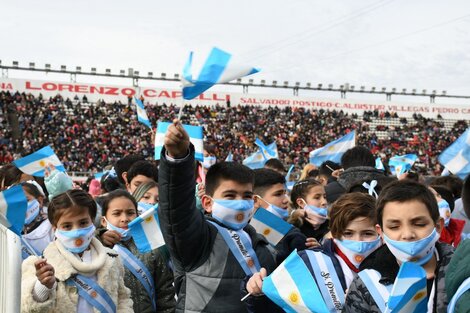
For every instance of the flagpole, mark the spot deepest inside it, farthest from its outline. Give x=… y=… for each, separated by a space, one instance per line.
x=180 y=113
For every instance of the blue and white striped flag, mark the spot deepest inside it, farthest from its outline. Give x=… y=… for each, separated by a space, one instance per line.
x=409 y=292
x=219 y=68
x=290 y=184
x=401 y=164
x=270 y=226
x=267 y=152
x=13 y=206
x=35 y=163
x=334 y=150
x=141 y=113
x=145 y=229
x=379 y=165
x=257 y=159
x=229 y=157
x=292 y=287
x=456 y=158
x=195 y=136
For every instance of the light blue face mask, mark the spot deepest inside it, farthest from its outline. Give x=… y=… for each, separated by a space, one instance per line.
x=444 y=211
x=142 y=207
x=32 y=211
x=319 y=211
x=125 y=233
x=280 y=212
x=234 y=214
x=357 y=251
x=77 y=240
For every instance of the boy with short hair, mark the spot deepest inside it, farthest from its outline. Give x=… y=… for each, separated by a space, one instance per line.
x=141 y=172
x=212 y=254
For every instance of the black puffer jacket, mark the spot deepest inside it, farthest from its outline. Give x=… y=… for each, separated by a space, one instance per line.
x=207 y=274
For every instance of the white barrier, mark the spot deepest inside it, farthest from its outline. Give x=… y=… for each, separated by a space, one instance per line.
x=10 y=271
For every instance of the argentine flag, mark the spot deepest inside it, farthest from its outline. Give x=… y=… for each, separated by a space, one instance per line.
x=35 y=163
x=456 y=158
x=145 y=230
x=229 y=157
x=219 y=68
x=266 y=151
x=258 y=158
x=290 y=184
x=409 y=292
x=270 y=226
x=195 y=136
x=400 y=164
x=292 y=287
x=334 y=150
x=141 y=113
x=379 y=165
x=13 y=206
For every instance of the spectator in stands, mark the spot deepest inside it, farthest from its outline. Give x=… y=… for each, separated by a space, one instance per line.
x=140 y=173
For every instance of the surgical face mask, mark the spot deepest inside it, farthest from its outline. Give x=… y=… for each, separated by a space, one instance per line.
x=444 y=211
x=209 y=161
x=315 y=209
x=357 y=251
x=142 y=207
x=317 y=216
x=77 y=240
x=419 y=251
x=32 y=211
x=125 y=234
x=274 y=209
x=234 y=214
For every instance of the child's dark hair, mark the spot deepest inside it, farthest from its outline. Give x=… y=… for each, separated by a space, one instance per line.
x=145 y=168
x=347 y=208
x=119 y=193
x=70 y=200
x=9 y=175
x=301 y=189
x=451 y=182
x=227 y=171
x=407 y=190
x=124 y=164
x=265 y=178
x=357 y=156
x=275 y=164
x=32 y=190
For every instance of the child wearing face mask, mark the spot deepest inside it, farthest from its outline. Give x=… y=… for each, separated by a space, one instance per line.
x=309 y=214
x=213 y=253
x=452 y=231
x=77 y=273
x=352 y=224
x=37 y=231
x=146 y=274
x=409 y=223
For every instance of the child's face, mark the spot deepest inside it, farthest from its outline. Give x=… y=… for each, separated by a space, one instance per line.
x=407 y=221
x=277 y=195
x=136 y=182
x=151 y=196
x=316 y=196
x=229 y=190
x=360 y=229
x=120 y=212
x=73 y=219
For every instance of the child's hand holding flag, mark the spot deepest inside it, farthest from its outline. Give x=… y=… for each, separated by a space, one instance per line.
x=176 y=140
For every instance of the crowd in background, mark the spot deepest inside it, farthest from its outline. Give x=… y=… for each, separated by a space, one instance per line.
x=87 y=137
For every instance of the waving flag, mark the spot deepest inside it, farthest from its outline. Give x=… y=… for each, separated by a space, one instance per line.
x=257 y=159
x=292 y=287
x=334 y=150
x=141 y=113
x=13 y=206
x=270 y=226
x=195 y=136
x=145 y=229
x=379 y=165
x=290 y=184
x=229 y=157
x=267 y=152
x=35 y=163
x=409 y=292
x=402 y=163
x=219 y=68
x=456 y=158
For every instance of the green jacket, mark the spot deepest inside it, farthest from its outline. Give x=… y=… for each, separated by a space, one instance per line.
x=457 y=272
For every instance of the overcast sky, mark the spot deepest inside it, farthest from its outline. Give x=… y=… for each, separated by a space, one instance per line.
x=423 y=44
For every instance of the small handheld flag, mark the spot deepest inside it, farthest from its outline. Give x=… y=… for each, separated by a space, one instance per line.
x=257 y=159
x=334 y=150
x=35 y=163
x=145 y=229
x=402 y=163
x=266 y=151
x=229 y=157
x=270 y=226
x=13 y=206
x=141 y=113
x=219 y=68
x=456 y=158
x=379 y=165
x=195 y=136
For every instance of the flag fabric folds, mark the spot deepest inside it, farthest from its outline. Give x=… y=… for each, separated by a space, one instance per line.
x=145 y=229
x=195 y=136
x=257 y=159
x=267 y=152
x=456 y=158
x=229 y=157
x=13 y=206
x=401 y=164
x=218 y=68
x=379 y=165
x=35 y=163
x=141 y=113
x=293 y=288
x=270 y=226
x=334 y=150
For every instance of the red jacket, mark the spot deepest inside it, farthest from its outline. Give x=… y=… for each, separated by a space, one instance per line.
x=452 y=233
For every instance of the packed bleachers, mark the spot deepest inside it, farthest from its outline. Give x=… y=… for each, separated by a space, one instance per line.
x=89 y=136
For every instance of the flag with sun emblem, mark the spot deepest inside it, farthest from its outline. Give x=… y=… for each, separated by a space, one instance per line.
x=270 y=226
x=334 y=150
x=409 y=292
x=292 y=287
x=145 y=230
x=35 y=163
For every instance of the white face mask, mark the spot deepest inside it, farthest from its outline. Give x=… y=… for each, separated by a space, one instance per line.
x=77 y=240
